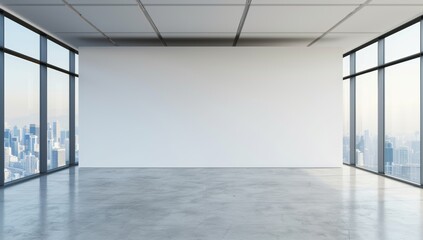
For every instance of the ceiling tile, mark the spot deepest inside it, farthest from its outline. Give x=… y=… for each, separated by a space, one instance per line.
x=53 y=18
x=196 y=18
x=294 y=18
x=379 y=18
x=346 y=41
x=194 y=2
x=396 y=2
x=277 y=39
x=102 y=2
x=7 y=2
x=313 y=2
x=116 y=18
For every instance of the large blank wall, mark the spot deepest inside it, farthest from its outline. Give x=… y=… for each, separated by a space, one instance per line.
x=210 y=107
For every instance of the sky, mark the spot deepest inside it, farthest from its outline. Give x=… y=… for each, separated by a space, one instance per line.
x=22 y=79
x=402 y=86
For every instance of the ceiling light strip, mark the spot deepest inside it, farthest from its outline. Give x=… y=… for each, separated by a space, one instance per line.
x=90 y=23
x=241 y=23
x=340 y=22
x=150 y=20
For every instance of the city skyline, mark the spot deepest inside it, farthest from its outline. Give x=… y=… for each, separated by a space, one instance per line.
x=21 y=149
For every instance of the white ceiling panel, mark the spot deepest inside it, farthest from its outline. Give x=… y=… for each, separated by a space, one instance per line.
x=313 y=2
x=53 y=18
x=116 y=18
x=196 y=2
x=379 y=18
x=396 y=2
x=277 y=39
x=196 y=18
x=346 y=41
x=294 y=18
x=102 y=1
x=6 y=2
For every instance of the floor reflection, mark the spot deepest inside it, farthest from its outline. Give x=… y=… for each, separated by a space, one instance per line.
x=201 y=203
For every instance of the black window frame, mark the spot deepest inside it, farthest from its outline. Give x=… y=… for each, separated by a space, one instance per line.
x=382 y=65
x=44 y=65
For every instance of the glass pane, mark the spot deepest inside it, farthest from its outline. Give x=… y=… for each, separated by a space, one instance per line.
x=76 y=63
x=57 y=55
x=366 y=120
x=346 y=137
x=21 y=133
x=76 y=119
x=366 y=58
x=403 y=43
x=402 y=120
x=57 y=119
x=346 y=66
x=20 y=39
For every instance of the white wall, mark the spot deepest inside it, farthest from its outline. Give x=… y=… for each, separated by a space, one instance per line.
x=210 y=107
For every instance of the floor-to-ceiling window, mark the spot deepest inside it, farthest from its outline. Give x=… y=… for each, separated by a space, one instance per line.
x=38 y=74
x=77 y=119
x=57 y=119
x=402 y=120
x=366 y=121
x=21 y=115
x=77 y=109
x=346 y=109
x=387 y=103
x=57 y=107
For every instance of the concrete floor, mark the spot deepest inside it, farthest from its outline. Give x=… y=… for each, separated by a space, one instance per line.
x=230 y=203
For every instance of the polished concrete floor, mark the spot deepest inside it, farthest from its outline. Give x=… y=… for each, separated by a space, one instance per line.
x=229 y=203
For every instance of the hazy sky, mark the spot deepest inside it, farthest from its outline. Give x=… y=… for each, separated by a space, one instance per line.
x=22 y=79
x=22 y=93
x=402 y=85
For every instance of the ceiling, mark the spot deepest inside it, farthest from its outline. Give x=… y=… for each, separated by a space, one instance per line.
x=314 y=23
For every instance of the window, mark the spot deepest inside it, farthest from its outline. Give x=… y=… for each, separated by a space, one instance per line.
x=76 y=63
x=402 y=120
x=57 y=119
x=366 y=58
x=346 y=66
x=57 y=55
x=22 y=126
x=403 y=43
x=366 y=120
x=36 y=136
x=76 y=119
x=346 y=136
x=20 y=39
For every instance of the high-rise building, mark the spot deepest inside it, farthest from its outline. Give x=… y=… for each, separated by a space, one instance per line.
x=56 y=131
x=31 y=164
x=58 y=157
x=15 y=146
x=389 y=153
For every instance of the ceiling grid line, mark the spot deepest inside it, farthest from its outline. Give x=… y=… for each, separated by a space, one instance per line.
x=150 y=20
x=89 y=22
x=242 y=21
x=361 y=6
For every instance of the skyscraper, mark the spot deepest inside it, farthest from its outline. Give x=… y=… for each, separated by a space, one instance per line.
x=58 y=157
x=56 y=131
x=389 y=153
